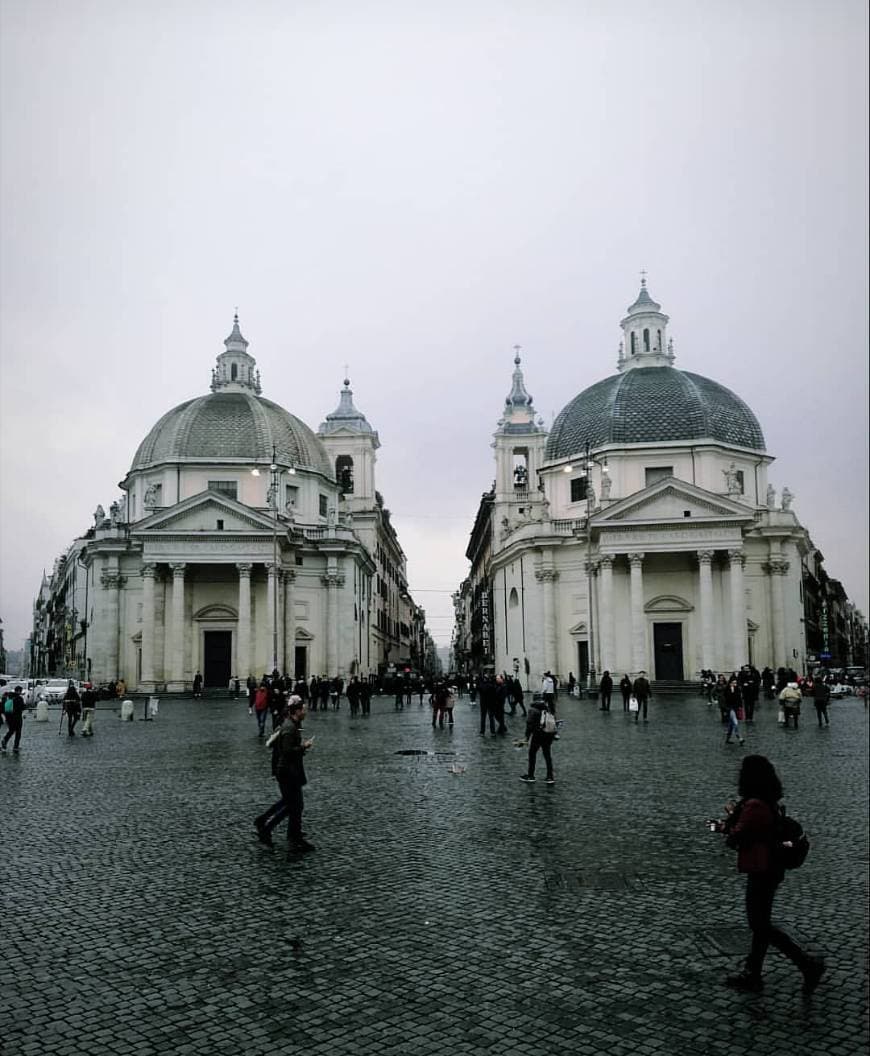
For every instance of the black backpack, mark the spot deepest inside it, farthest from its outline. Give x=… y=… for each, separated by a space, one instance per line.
x=792 y=846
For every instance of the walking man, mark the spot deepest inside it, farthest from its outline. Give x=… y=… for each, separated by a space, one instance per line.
x=821 y=696
x=73 y=708
x=289 y=770
x=540 y=734
x=89 y=706
x=548 y=691
x=605 y=687
x=641 y=690
x=14 y=718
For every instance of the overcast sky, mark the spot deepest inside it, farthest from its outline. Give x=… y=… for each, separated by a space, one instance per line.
x=413 y=188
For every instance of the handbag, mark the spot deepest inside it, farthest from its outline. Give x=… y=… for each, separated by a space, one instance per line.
x=741 y=714
x=632 y=703
x=781 y=717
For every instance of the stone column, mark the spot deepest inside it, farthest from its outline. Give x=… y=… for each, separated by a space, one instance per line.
x=148 y=573
x=112 y=581
x=243 y=629
x=738 y=609
x=777 y=569
x=547 y=578
x=332 y=580
x=176 y=682
x=271 y=616
x=605 y=609
x=638 y=629
x=289 y=622
x=705 y=584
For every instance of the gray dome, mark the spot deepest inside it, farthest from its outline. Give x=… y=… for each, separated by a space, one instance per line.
x=231 y=426
x=650 y=405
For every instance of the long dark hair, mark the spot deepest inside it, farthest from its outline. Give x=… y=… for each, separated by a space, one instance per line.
x=759 y=780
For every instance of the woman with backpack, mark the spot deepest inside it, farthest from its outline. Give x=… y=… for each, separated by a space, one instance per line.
x=752 y=828
x=540 y=734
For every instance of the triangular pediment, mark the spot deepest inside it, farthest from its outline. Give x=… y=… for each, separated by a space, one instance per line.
x=200 y=513
x=671 y=500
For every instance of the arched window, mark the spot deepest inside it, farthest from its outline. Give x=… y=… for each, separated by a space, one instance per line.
x=344 y=474
x=633 y=342
x=234 y=371
x=521 y=468
x=646 y=340
x=513 y=598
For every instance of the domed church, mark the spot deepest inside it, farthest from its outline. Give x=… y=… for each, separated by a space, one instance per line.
x=640 y=533
x=246 y=541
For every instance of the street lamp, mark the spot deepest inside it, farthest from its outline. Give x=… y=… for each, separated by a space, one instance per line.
x=589 y=463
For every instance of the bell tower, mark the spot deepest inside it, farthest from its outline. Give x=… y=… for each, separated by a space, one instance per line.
x=351 y=443
x=519 y=443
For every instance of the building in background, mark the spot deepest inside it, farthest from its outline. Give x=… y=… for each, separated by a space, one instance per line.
x=641 y=533
x=244 y=541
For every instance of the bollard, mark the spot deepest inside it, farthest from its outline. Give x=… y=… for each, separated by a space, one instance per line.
x=126 y=711
x=41 y=711
x=151 y=708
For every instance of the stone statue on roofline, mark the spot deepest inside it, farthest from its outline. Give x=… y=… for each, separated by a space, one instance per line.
x=732 y=480
x=771 y=497
x=606 y=485
x=787 y=499
x=99 y=516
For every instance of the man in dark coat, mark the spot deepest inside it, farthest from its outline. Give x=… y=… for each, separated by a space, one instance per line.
x=14 y=719
x=605 y=687
x=288 y=748
x=641 y=690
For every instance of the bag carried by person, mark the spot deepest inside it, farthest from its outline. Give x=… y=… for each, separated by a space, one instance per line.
x=792 y=846
x=780 y=718
x=741 y=714
x=548 y=721
x=8 y=705
x=632 y=703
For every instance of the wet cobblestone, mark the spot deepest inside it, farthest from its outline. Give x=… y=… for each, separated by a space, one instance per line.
x=463 y=913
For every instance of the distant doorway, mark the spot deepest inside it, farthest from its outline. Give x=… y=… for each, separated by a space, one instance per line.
x=583 y=662
x=301 y=662
x=668 y=650
x=217 y=652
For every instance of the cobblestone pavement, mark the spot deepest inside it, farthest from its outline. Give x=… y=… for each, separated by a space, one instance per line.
x=441 y=913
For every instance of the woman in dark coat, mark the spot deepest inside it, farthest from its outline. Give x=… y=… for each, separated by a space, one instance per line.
x=72 y=705
x=751 y=828
x=625 y=687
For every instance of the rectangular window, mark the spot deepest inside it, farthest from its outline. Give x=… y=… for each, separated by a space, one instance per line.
x=299 y=559
x=220 y=525
x=739 y=475
x=578 y=489
x=324 y=505
x=654 y=473
x=225 y=487
x=291 y=495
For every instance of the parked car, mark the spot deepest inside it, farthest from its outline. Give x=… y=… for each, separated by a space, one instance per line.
x=839 y=689
x=54 y=690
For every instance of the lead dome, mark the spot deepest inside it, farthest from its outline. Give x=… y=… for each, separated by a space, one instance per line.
x=649 y=400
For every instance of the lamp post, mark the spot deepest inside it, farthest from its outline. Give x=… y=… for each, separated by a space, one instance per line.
x=589 y=463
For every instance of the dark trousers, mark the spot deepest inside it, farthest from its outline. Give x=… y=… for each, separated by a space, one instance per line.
x=550 y=701
x=273 y=816
x=822 y=711
x=291 y=794
x=542 y=741
x=72 y=717
x=261 y=721
x=484 y=712
x=13 y=729
x=605 y=699
x=626 y=693
x=366 y=704
x=641 y=706
x=760 y=892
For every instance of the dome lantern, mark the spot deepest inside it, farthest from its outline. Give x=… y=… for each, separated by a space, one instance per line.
x=645 y=330
x=236 y=369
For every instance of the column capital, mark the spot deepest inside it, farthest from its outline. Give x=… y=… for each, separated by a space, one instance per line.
x=244 y=568
x=112 y=579
x=607 y=560
x=332 y=579
x=178 y=568
x=705 y=557
x=289 y=575
x=591 y=567
x=635 y=559
x=546 y=575
x=272 y=570
x=736 y=556
x=148 y=570
x=776 y=567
